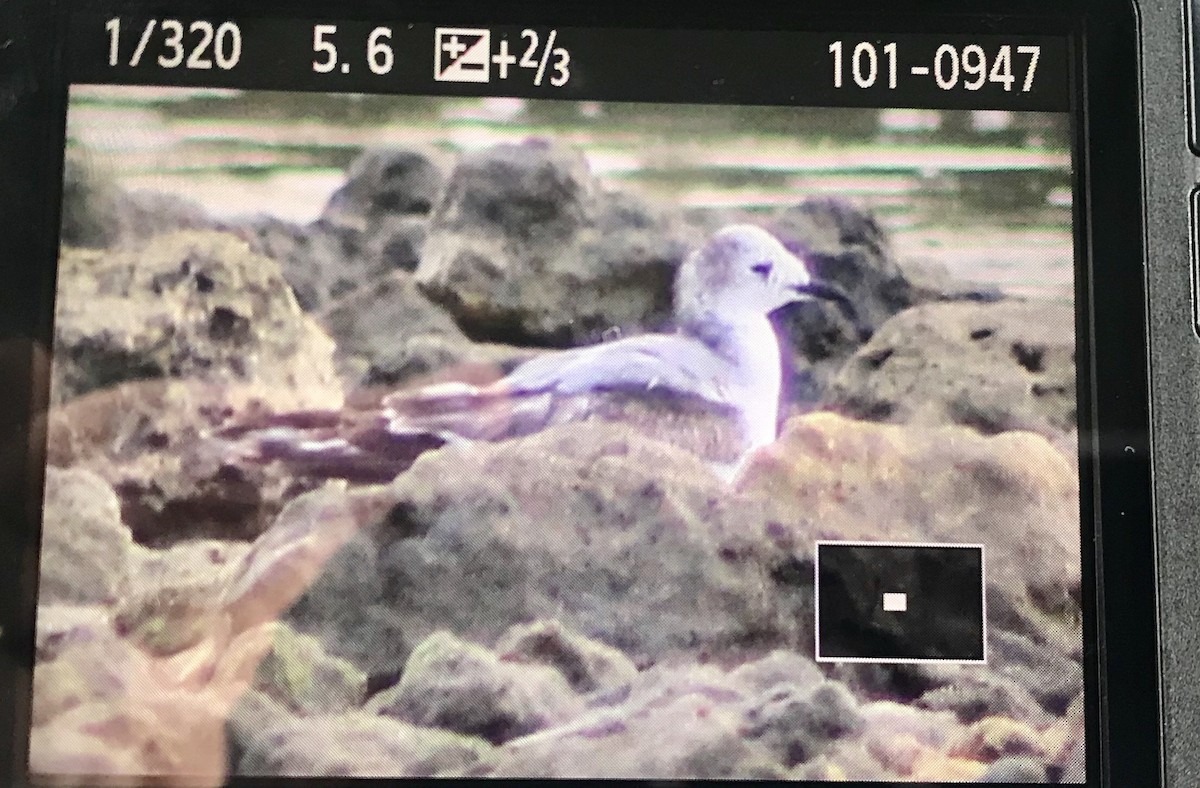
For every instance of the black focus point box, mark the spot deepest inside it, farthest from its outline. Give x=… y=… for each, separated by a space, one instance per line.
x=890 y=602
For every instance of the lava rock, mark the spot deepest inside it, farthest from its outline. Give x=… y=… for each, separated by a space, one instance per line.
x=385 y=183
x=324 y=260
x=797 y=725
x=588 y=665
x=526 y=248
x=358 y=745
x=196 y=305
x=298 y=673
x=994 y=367
x=675 y=723
x=98 y=214
x=86 y=551
x=388 y=333
x=450 y=683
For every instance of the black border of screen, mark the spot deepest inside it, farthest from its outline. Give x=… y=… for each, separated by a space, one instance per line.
x=1120 y=620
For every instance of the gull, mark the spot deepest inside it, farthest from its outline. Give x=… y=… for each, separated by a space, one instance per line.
x=711 y=386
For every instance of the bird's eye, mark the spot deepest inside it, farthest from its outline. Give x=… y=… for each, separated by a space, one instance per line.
x=762 y=269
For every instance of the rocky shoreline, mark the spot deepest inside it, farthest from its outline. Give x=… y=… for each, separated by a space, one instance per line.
x=585 y=601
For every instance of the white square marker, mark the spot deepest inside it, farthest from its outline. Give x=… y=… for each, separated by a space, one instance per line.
x=895 y=603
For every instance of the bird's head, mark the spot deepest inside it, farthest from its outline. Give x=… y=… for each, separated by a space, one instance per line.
x=744 y=271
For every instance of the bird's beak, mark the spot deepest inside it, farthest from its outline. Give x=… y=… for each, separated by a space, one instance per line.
x=826 y=291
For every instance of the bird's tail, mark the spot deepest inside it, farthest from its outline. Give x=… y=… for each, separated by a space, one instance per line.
x=361 y=447
x=374 y=445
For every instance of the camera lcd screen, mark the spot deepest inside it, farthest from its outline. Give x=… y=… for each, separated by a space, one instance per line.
x=471 y=404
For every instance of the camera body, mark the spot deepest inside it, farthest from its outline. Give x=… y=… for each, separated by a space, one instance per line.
x=1095 y=99
x=1170 y=172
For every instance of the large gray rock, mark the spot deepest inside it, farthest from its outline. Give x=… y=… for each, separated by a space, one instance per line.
x=587 y=665
x=384 y=183
x=298 y=673
x=324 y=260
x=844 y=246
x=374 y=224
x=994 y=367
x=196 y=305
x=98 y=214
x=388 y=332
x=358 y=745
x=619 y=537
x=86 y=552
x=450 y=683
x=147 y=439
x=796 y=725
x=1014 y=492
x=526 y=247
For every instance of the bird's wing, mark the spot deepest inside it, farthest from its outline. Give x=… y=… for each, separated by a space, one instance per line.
x=673 y=373
x=659 y=362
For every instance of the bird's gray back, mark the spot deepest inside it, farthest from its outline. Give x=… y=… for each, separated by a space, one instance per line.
x=666 y=363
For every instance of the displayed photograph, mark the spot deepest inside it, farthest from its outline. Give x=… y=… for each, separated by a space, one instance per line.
x=406 y=436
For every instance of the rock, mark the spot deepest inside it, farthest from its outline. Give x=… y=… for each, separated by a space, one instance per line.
x=993 y=738
x=678 y=724
x=1066 y=741
x=346 y=608
x=797 y=725
x=96 y=670
x=253 y=713
x=325 y=260
x=1013 y=492
x=935 y=767
x=298 y=673
x=994 y=367
x=1015 y=770
x=973 y=696
x=86 y=550
x=885 y=721
x=1051 y=677
x=932 y=281
x=175 y=599
x=359 y=745
x=197 y=305
x=61 y=627
x=617 y=536
x=388 y=332
x=386 y=183
x=148 y=440
x=525 y=247
x=158 y=346
x=374 y=224
x=819 y=769
x=450 y=683
x=588 y=665
x=845 y=246
x=620 y=537
x=779 y=668
x=99 y=214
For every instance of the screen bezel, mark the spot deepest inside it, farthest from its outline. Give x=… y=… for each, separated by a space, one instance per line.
x=1120 y=620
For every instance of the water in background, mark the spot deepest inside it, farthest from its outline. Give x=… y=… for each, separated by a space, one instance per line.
x=986 y=194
